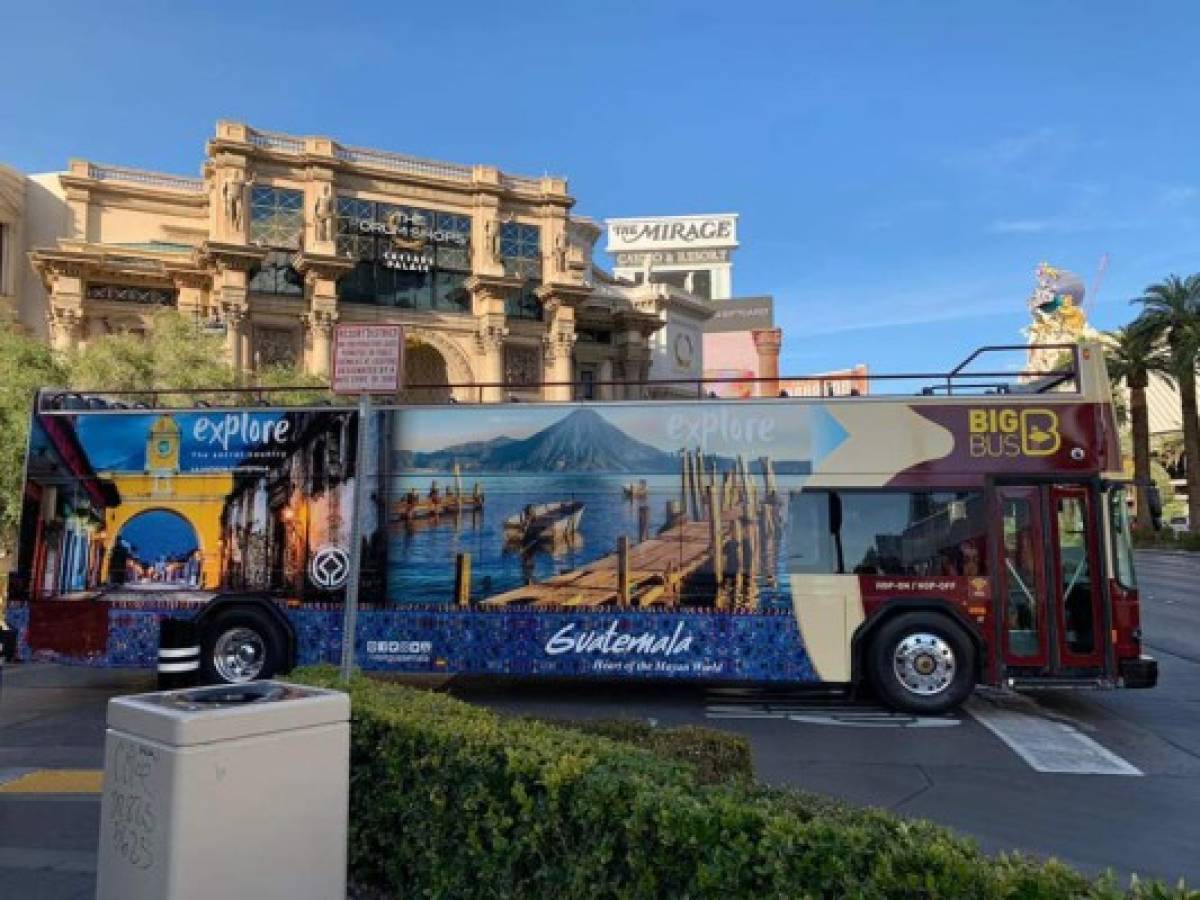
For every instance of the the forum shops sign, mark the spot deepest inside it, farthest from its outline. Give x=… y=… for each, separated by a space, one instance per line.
x=412 y=240
x=673 y=233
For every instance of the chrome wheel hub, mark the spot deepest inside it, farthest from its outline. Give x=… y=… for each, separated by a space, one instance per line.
x=239 y=655
x=924 y=664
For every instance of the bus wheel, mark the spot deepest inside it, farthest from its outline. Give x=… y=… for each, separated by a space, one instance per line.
x=922 y=663
x=240 y=645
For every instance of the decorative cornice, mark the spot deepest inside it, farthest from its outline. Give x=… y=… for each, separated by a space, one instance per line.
x=489 y=336
x=189 y=276
x=321 y=265
x=645 y=323
x=239 y=257
x=572 y=295
x=493 y=284
x=55 y=263
x=767 y=339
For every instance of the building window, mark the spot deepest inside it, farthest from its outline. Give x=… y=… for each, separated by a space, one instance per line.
x=277 y=275
x=276 y=217
x=523 y=303
x=922 y=533
x=593 y=336
x=521 y=249
x=274 y=346
x=128 y=293
x=522 y=365
x=404 y=256
x=586 y=389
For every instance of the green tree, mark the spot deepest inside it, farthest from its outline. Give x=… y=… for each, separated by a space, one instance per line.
x=26 y=364
x=176 y=354
x=302 y=388
x=1132 y=357
x=1171 y=314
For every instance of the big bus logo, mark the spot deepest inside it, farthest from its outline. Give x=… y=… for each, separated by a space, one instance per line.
x=1010 y=432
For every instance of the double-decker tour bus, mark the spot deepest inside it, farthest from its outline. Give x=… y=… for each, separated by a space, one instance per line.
x=922 y=537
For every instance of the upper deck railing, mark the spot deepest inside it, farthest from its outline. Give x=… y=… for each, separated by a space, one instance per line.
x=962 y=381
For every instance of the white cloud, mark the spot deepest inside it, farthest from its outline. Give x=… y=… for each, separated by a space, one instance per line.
x=1036 y=146
x=876 y=308
x=1068 y=224
x=1179 y=195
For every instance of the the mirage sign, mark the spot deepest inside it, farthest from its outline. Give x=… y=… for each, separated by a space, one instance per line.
x=664 y=232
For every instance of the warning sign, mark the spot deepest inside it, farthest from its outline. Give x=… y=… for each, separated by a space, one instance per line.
x=368 y=359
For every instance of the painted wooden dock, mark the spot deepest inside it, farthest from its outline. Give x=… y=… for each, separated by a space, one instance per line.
x=719 y=539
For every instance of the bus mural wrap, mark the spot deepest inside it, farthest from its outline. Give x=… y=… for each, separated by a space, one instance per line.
x=726 y=540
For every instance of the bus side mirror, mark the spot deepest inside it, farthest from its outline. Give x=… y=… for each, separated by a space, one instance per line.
x=1154 y=505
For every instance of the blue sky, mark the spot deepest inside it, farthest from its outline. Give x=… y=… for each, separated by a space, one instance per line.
x=900 y=167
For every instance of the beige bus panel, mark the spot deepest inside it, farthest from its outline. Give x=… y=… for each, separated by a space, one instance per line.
x=829 y=609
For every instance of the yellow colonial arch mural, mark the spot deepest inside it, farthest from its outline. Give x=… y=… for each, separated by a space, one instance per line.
x=197 y=497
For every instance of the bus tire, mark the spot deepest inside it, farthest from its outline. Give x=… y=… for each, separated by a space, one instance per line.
x=921 y=663
x=239 y=645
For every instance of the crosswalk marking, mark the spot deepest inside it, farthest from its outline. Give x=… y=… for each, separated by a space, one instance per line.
x=55 y=781
x=818 y=713
x=1044 y=741
x=1047 y=745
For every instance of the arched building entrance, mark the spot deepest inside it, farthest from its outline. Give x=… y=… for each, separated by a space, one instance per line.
x=423 y=365
x=156 y=547
x=436 y=362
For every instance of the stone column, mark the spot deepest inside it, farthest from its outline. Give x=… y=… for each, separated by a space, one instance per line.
x=235 y=317
x=605 y=375
x=632 y=361
x=767 y=342
x=64 y=313
x=485 y=224
x=191 y=287
x=78 y=199
x=230 y=298
x=491 y=328
x=320 y=323
x=321 y=272
x=558 y=347
x=65 y=325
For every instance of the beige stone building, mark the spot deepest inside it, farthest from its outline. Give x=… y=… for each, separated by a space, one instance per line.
x=282 y=236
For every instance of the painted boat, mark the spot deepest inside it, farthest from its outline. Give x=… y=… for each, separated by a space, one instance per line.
x=636 y=489
x=544 y=523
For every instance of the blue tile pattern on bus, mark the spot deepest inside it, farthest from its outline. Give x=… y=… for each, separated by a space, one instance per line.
x=704 y=645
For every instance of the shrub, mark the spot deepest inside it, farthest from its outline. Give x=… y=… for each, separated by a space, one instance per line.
x=449 y=800
x=1165 y=539
x=714 y=756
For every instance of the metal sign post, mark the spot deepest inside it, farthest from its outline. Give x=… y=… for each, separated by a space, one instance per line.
x=367 y=359
x=350 y=612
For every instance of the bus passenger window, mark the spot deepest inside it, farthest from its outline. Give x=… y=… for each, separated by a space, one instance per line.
x=919 y=533
x=1023 y=613
x=810 y=533
x=1072 y=518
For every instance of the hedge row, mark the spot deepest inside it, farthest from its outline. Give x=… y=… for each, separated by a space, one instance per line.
x=1165 y=539
x=715 y=757
x=450 y=800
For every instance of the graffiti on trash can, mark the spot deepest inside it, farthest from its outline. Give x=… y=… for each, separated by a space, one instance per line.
x=132 y=819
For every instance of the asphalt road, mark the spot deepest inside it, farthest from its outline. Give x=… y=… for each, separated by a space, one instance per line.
x=1098 y=779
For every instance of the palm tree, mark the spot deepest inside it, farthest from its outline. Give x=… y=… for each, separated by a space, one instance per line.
x=1132 y=357
x=1171 y=313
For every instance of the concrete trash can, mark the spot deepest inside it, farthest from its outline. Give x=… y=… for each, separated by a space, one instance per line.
x=230 y=791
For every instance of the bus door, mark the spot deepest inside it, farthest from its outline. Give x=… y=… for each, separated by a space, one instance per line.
x=1049 y=582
